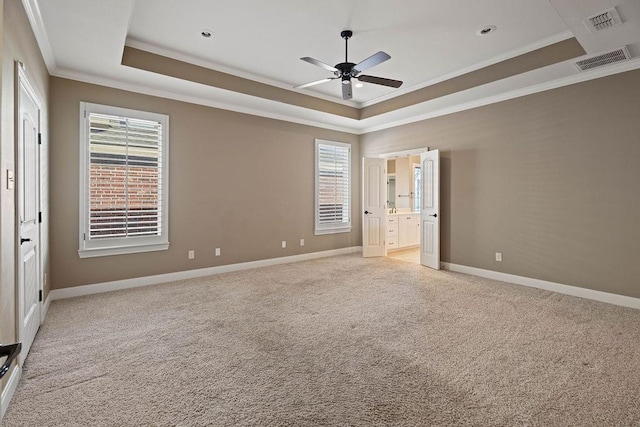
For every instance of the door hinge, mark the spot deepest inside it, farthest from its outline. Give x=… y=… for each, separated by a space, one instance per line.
x=39 y=139
x=39 y=217
x=84 y=236
x=40 y=295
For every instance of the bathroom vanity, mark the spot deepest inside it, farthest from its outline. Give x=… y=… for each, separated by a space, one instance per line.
x=403 y=230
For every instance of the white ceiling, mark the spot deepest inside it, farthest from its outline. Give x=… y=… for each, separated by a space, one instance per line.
x=428 y=40
x=425 y=38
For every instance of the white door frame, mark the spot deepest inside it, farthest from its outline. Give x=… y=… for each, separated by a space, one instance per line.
x=22 y=80
x=396 y=154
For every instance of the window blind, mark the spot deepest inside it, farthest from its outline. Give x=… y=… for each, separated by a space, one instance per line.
x=125 y=177
x=333 y=185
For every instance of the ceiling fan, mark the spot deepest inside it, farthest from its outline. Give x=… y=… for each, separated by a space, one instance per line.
x=346 y=70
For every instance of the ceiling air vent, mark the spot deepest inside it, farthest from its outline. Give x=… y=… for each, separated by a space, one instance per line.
x=603 y=59
x=603 y=20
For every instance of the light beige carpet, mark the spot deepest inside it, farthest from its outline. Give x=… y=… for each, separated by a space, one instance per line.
x=337 y=341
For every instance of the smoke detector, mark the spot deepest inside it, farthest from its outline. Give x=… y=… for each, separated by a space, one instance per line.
x=608 y=58
x=603 y=20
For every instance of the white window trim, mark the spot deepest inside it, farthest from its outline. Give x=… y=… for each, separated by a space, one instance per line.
x=321 y=229
x=88 y=249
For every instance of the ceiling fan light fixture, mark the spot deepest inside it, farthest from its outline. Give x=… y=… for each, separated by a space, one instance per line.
x=346 y=80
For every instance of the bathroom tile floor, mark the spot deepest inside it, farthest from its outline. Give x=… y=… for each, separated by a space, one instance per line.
x=409 y=255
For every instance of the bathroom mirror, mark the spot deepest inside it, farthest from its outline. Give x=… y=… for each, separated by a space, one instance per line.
x=391 y=191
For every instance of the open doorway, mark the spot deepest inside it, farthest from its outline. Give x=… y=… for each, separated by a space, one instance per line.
x=401 y=206
x=403 y=203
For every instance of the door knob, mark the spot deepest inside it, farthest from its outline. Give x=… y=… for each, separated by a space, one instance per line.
x=434 y=215
x=10 y=352
x=24 y=240
x=367 y=212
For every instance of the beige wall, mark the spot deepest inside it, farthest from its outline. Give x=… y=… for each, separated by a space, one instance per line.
x=238 y=182
x=18 y=43
x=550 y=180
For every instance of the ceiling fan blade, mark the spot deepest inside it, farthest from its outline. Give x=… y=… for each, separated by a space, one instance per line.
x=319 y=64
x=317 y=82
x=372 y=61
x=380 y=81
x=346 y=90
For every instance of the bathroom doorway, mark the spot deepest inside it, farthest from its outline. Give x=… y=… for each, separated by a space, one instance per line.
x=400 y=219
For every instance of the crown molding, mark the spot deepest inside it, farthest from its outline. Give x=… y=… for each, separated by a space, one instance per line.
x=149 y=47
x=529 y=90
x=357 y=128
x=239 y=108
x=39 y=31
x=539 y=44
x=246 y=104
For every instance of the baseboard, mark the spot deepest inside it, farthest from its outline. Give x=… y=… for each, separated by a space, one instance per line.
x=117 y=285
x=9 y=389
x=575 y=291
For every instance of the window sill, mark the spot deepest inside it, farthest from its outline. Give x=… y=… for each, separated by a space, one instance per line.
x=333 y=231
x=122 y=250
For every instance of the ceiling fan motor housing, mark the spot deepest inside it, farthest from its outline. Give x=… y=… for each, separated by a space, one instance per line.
x=345 y=70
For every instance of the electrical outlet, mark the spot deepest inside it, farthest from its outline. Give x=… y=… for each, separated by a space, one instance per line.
x=192 y=254
x=284 y=244
x=301 y=242
x=499 y=256
x=217 y=251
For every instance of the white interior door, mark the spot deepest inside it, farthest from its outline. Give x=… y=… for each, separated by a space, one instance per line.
x=28 y=274
x=374 y=206
x=430 y=210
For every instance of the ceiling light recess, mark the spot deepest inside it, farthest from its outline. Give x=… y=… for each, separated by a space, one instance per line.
x=486 y=30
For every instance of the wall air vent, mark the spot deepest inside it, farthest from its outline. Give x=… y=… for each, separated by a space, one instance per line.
x=603 y=59
x=603 y=20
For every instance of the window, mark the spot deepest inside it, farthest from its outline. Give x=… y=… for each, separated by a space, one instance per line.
x=333 y=187
x=123 y=182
